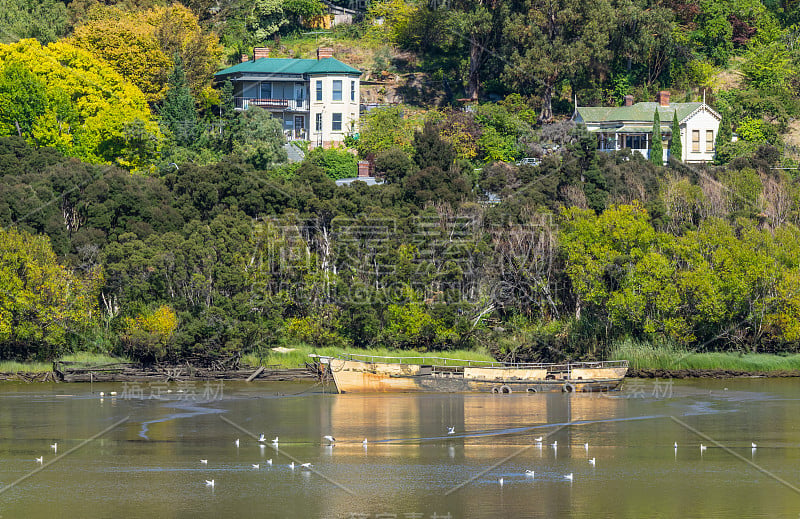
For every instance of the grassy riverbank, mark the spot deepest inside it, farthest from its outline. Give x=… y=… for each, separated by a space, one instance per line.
x=299 y=355
x=12 y=366
x=671 y=357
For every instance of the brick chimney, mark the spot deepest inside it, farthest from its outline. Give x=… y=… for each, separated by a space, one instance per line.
x=324 y=52
x=663 y=98
x=628 y=100
x=245 y=57
x=260 y=52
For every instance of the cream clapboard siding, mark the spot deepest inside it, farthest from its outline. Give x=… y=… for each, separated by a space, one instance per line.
x=702 y=121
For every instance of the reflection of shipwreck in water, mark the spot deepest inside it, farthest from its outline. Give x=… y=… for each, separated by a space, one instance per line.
x=362 y=373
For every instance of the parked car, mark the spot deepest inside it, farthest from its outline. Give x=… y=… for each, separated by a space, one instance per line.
x=529 y=161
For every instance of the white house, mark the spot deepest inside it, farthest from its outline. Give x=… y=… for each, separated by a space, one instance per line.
x=316 y=99
x=631 y=126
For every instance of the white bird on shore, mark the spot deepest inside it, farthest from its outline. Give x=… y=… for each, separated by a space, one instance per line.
x=451 y=430
x=54 y=447
x=256 y=465
x=529 y=473
x=40 y=459
x=237 y=443
x=591 y=462
x=329 y=438
x=262 y=438
x=568 y=476
x=204 y=462
x=538 y=440
x=210 y=483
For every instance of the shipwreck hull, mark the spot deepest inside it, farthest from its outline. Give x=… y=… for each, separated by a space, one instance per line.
x=359 y=377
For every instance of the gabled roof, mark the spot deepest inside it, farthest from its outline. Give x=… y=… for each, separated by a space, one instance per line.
x=290 y=66
x=641 y=112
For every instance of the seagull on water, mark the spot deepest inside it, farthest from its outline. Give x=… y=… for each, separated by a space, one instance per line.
x=451 y=430
x=204 y=462
x=500 y=481
x=753 y=445
x=702 y=447
x=364 y=442
x=555 y=444
x=591 y=462
x=529 y=473
x=40 y=459
x=275 y=441
x=675 y=445
x=291 y=465
x=538 y=440
x=256 y=465
x=306 y=465
x=210 y=483
x=329 y=438
x=262 y=438
x=568 y=476
x=269 y=462
x=586 y=446
x=237 y=443
x=54 y=447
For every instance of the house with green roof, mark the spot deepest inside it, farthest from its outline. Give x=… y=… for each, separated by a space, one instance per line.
x=631 y=126
x=317 y=100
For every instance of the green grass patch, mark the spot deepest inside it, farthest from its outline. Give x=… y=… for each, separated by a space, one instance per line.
x=12 y=366
x=84 y=358
x=92 y=359
x=644 y=355
x=299 y=356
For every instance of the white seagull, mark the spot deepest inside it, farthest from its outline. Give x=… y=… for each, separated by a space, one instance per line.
x=451 y=430
x=306 y=465
x=529 y=473
x=329 y=438
x=269 y=462
x=210 y=483
x=675 y=445
x=586 y=446
x=753 y=445
x=591 y=462
x=54 y=447
x=256 y=465
x=291 y=465
x=364 y=442
x=40 y=459
x=275 y=441
x=702 y=447
x=262 y=438
x=538 y=440
x=500 y=481
x=555 y=444
x=204 y=462
x=568 y=476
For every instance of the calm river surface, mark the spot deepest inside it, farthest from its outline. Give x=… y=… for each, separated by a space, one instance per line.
x=149 y=465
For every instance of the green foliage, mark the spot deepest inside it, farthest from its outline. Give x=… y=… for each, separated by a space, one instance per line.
x=87 y=110
x=23 y=100
x=394 y=164
x=768 y=66
x=177 y=111
x=45 y=20
x=258 y=138
x=44 y=303
x=675 y=144
x=755 y=130
x=385 y=128
x=336 y=162
x=657 y=147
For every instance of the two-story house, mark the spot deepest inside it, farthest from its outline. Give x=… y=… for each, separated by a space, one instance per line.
x=631 y=126
x=316 y=99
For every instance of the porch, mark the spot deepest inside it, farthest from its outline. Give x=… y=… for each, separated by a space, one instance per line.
x=282 y=105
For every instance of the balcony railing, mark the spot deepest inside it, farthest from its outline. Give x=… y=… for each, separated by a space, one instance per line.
x=286 y=105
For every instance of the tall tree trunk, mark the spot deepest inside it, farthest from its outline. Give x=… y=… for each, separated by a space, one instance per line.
x=475 y=58
x=546 y=114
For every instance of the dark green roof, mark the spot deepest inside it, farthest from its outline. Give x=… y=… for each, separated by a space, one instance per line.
x=638 y=112
x=290 y=66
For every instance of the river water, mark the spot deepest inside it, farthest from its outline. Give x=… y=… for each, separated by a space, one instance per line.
x=137 y=454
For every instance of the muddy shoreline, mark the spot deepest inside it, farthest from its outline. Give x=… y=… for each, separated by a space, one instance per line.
x=708 y=373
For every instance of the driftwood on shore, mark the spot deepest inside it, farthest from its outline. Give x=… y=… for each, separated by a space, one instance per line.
x=130 y=372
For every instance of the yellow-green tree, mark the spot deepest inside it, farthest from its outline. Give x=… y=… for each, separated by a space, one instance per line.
x=148 y=335
x=42 y=303
x=141 y=45
x=88 y=110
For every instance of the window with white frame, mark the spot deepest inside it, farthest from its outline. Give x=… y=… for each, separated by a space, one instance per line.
x=352 y=90
x=337 y=89
x=337 y=123
x=319 y=90
x=318 y=123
